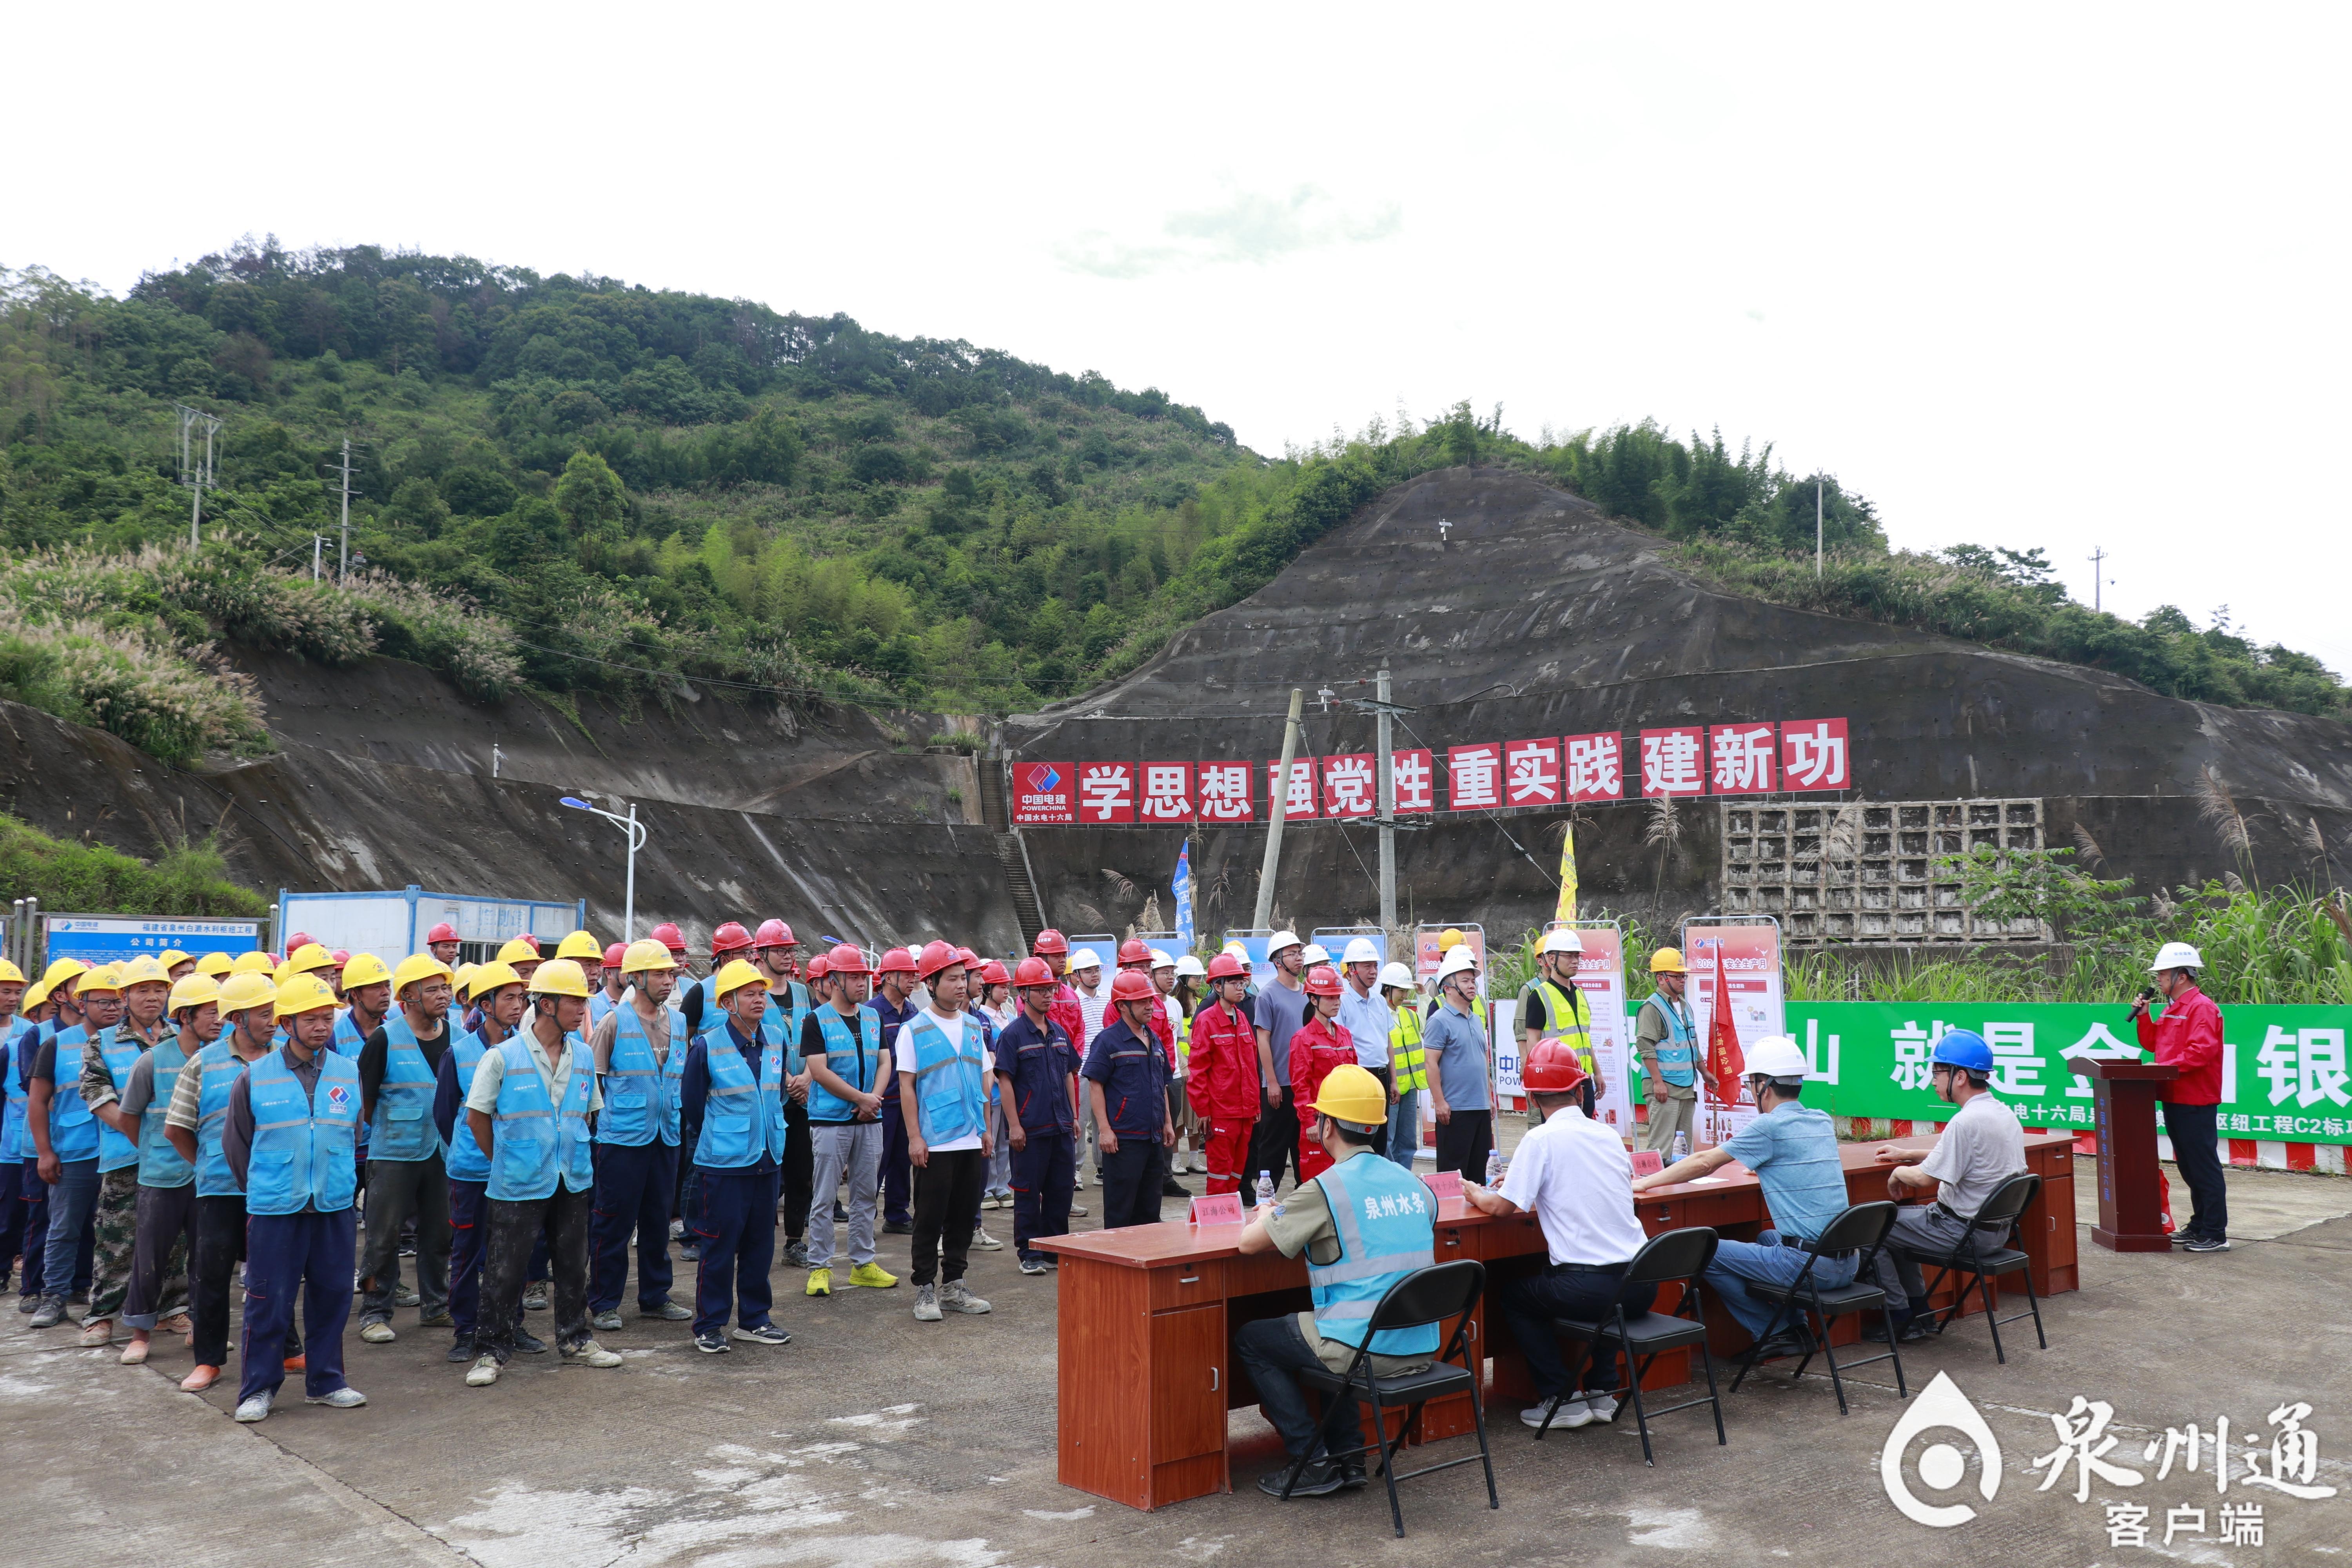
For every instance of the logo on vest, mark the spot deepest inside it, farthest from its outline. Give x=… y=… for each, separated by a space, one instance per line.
x=1942 y=1466
x=337 y=1097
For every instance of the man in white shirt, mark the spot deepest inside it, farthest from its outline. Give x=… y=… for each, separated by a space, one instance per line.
x=1574 y=1176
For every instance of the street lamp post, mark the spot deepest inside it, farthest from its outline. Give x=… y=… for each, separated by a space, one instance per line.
x=637 y=832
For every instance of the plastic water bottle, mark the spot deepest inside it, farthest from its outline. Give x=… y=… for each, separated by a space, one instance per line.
x=1682 y=1147
x=1266 y=1191
x=1495 y=1166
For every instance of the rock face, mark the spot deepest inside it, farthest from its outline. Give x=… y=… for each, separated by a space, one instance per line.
x=1528 y=614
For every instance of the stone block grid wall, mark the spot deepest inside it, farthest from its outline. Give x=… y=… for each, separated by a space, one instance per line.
x=1865 y=871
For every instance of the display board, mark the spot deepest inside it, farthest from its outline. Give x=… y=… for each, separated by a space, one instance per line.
x=105 y=938
x=1750 y=950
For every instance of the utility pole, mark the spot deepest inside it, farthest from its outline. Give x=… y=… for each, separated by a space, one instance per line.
x=195 y=473
x=343 y=567
x=1387 y=764
x=1277 y=803
x=1817 y=531
x=2099 y=570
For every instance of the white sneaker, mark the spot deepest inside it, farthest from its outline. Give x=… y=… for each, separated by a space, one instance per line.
x=345 y=1398
x=1571 y=1412
x=956 y=1298
x=1602 y=1405
x=254 y=1409
x=484 y=1373
x=588 y=1352
x=927 y=1305
x=986 y=1242
x=377 y=1333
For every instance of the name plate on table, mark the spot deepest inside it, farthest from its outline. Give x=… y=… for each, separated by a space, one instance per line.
x=1444 y=1184
x=1648 y=1161
x=1217 y=1208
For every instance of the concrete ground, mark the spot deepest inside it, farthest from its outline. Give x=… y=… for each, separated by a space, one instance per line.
x=872 y=1439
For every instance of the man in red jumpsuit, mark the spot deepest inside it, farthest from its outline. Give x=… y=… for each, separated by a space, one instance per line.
x=1224 y=1085
x=1319 y=1046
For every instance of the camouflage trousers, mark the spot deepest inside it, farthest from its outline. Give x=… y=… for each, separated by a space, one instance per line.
x=116 y=1225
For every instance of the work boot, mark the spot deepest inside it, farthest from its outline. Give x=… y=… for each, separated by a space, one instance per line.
x=956 y=1297
x=872 y=1276
x=820 y=1283
x=927 y=1305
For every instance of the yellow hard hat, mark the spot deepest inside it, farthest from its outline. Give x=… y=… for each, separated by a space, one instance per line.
x=10 y=974
x=559 y=977
x=489 y=977
x=464 y=972
x=304 y=994
x=146 y=970
x=105 y=977
x=35 y=994
x=171 y=957
x=1450 y=938
x=254 y=962
x=734 y=977
x=219 y=966
x=1667 y=961
x=365 y=969
x=646 y=953
x=1352 y=1095
x=309 y=956
x=245 y=991
x=416 y=966
x=192 y=991
x=62 y=969
x=581 y=945
x=518 y=951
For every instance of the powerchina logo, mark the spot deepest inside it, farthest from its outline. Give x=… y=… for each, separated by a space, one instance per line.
x=1045 y=778
x=1942 y=1467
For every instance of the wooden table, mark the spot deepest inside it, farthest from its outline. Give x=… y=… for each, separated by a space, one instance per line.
x=1148 y=1315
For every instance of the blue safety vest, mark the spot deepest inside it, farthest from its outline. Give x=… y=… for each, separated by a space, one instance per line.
x=119 y=1050
x=861 y=1053
x=160 y=1164
x=402 y=1127
x=641 y=1094
x=949 y=1099
x=465 y=1161
x=534 y=1143
x=1678 y=1052
x=221 y=1068
x=348 y=1042
x=302 y=1141
x=598 y=1005
x=742 y=1116
x=788 y=1021
x=1387 y=1225
x=16 y=1143
x=73 y=1130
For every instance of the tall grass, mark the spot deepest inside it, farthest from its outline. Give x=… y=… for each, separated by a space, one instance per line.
x=185 y=879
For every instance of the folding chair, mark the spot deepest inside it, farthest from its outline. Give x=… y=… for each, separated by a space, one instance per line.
x=1999 y=1217
x=1425 y=1295
x=1673 y=1256
x=1862 y=1228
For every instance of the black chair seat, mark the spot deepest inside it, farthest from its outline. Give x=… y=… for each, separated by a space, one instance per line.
x=1805 y=1302
x=1442 y=1379
x=1836 y=1298
x=1996 y=1225
x=1650 y=1333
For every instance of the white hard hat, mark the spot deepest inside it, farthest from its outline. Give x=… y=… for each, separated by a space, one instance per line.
x=1776 y=1056
x=1279 y=941
x=1562 y=939
x=2176 y=955
x=1162 y=961
x=1085 y=958
x=1398 y=975
x=1190 y=967
x=1316 y=953
x=1456 y=960
x=1361 y=951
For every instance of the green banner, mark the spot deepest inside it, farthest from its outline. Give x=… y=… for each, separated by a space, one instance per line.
x=2285 y=1076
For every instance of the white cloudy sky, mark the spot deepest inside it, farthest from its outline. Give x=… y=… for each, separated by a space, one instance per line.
x=2054 y=276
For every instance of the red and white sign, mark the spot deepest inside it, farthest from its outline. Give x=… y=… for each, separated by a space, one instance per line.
x=1531 y=771
x=1474 y=776
x=1596 y=766
x=1225 y=793
x=1674 y=762
x=1742 y=754
x=1044 y=795
x=1416 y=780
x=1351 y=786
x=1167 y=792
x=1299 y=801
x=1106 y=793
x=1813 y=755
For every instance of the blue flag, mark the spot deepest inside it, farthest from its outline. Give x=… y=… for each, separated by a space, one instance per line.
x=1180 y=889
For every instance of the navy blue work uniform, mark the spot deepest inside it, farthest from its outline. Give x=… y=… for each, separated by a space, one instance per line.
x=1040 y=1063
x=897 y=1168
x=1133 y=1072
x=739 y=1148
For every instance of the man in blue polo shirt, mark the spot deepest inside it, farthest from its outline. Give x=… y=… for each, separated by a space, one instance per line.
x=1127 y=1083
x=1792 y=1149
x=1036 y=1069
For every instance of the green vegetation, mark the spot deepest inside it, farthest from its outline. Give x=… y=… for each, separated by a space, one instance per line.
x=186 y=878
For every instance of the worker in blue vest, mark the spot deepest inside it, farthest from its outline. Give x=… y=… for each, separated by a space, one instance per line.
x=1037 y=1073
x=841 y=1044
x=942 y=1067
x=1126 y=1075
x=194 y=1123
x=1667 y=1046
x=612 y=983
x=407 y=1178
x=292 y=1123
x=530 y=1108
x=364 y=983
x=15 y=1144
x=640 y=1050
x=731 y=1103
x=1364 y=1224
x=105 y=1075
x=164 y=1244
x=775 y=952
x=498 y=999
x=64 y=1132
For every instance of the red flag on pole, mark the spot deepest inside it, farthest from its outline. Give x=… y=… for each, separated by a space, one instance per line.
x=1724 y=1060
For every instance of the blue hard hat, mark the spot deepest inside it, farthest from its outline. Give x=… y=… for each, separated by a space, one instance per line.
x=1963 y=1049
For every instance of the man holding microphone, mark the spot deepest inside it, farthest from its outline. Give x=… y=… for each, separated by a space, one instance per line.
x=2188 y=1037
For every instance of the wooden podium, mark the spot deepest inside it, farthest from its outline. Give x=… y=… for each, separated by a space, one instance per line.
x=2126 y=1089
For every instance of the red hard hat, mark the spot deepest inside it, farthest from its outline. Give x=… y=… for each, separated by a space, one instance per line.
x=616 y=954
x=936 y=956
x=1322 y=981
x=1551 y=1068
x=1051 y=943
x=444 y=931
x=970 y=959
x=1135 y=950
x=1226 y=966
x=666 y=935
x=898 y=961
x=845 y=960
x=1033 y=972
x=729 y=938
x=526 y=936
x=1132 y=985
x=775 y=933
x=341 y=957
x=298 y=941
x=818 y=968
x=992 y=974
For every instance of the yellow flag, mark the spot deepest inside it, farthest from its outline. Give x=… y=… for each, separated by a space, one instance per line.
x=1567 y=911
